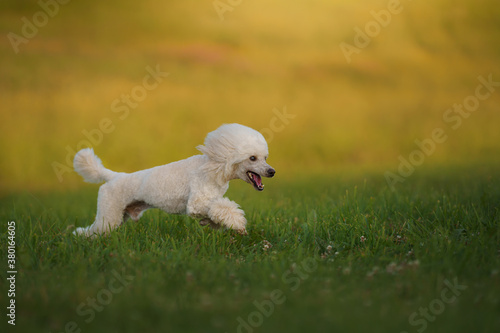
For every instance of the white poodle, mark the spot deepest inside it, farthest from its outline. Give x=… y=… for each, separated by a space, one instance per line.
x=194 y=186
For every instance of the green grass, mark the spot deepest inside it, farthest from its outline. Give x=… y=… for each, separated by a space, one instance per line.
x=438 y=226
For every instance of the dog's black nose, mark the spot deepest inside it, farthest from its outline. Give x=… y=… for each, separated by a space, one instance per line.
x=271 y=172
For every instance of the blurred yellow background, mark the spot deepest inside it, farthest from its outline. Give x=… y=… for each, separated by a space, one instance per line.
x=275 y=65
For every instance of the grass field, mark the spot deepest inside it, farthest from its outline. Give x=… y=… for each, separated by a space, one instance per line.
x=332 y=246
x=336 y=255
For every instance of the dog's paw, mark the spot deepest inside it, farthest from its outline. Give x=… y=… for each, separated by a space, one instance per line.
x=86 y=232
x=210 y=223
x=80 y=231
x=242 y=231
x=204 y=222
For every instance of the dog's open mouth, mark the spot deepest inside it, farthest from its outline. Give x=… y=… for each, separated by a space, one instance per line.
x=256 y=180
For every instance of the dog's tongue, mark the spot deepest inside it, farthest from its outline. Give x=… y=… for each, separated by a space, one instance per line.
x=257 y=179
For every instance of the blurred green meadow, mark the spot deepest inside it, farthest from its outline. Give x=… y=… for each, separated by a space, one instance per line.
x=262 y=56
x=144 y=82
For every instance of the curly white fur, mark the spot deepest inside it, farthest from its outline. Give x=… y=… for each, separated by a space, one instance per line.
x=194 y=186
x=90 y=167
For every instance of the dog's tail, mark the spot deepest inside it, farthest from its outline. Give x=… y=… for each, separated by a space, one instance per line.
x=90 y=167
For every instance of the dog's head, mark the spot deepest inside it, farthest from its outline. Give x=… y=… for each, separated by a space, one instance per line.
x=240 y=152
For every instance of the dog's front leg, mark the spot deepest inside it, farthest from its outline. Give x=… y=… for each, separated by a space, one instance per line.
x=197 y=210
x=228 y=214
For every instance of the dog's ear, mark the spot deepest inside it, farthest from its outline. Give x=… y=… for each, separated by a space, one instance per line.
x=231 y=164
x=214 y=156
x=233 y=161
x=229 y=169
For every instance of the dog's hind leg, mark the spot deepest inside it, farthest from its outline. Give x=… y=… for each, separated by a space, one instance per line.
x=109 y=213
x=135 y=209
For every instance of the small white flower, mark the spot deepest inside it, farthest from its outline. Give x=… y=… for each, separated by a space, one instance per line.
x=329 y=248
x=267 y=245
x=362 y=239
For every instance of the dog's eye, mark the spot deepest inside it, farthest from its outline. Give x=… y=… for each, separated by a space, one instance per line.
x=253 y=158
